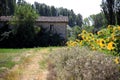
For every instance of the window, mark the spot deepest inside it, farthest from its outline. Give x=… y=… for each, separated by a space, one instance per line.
x=52 y=28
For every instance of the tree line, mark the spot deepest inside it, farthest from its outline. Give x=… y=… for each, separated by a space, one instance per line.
x=110 y=15
x=26 y=35
x=8 y=6
x=45 y=10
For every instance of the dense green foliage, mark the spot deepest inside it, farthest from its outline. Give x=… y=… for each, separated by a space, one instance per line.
x=46 y=38
x=23 y=29
x=7 y=7
x=73 y=32
x=94 y=22
x=111 y=9
x=22 y=32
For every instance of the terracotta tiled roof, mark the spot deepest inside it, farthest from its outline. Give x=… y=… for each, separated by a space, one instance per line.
x=41 y=19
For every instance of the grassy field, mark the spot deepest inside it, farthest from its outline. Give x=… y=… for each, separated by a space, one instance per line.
x=42 y=63
x=9 y=57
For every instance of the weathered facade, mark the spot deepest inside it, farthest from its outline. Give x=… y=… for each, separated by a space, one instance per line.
x=56 y=25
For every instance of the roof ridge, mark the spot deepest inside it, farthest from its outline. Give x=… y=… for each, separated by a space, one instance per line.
x=41 y=18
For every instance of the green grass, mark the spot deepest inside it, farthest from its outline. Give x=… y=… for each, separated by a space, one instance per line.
x=10 y=50
x=6 y=56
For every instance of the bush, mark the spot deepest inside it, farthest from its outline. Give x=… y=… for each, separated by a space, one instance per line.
x=82 y=64
x=106 y=40
x=45 y=38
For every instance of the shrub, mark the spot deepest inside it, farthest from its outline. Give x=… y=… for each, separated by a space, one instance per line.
x=82 y=64
x=107 y=40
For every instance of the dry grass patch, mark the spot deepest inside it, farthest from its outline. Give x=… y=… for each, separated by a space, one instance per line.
x=82 y=64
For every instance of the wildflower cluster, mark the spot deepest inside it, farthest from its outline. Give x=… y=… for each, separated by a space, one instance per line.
x=117 y=60
x=107 y=39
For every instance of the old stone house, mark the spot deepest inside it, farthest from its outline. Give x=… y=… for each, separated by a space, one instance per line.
x=56 y=25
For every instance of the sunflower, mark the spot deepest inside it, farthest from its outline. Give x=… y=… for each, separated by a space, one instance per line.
x=118 y=27
x=80 y=43
x=101 y=43
x=111 y=46
x=91 y=34
x=79 y=35
x=84 y=32
x=117 y=60
x=114 y=29
x=99 y=32
x=83 y=37
x=109 y=26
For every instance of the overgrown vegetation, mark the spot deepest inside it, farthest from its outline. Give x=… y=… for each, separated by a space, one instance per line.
x=47 y=38
x=24 y=33
x=82 y=64
x=106 y=40
x=23 y=21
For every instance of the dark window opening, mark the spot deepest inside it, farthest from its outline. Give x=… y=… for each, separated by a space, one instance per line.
x=51 y=28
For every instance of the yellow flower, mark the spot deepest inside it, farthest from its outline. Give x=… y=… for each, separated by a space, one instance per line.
x=93 y=47
x=99 y=32
x=80 y=42
x=117 y=61
x=84 y=32
x=118 y=27
x=111 y=46
x=86 y=38
x=79 y=35
x=83 y=37
x=101 y=43
x=77 y=40
x=97 y=41
x=109 y=26
x=90 y=34
x=114 y=29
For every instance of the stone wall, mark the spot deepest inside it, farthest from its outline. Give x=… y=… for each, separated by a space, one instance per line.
x=59 y=28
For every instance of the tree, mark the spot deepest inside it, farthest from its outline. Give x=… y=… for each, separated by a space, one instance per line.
x=11 y=5
x=23 y=21
x=86 y=22
x=79 y=20
x=45 y=10
x=73 y=32
x=53 y=11
x=7 y=7
x=111 y=9
x=117 y=11
x=95 y=22
x=107 y=6
x=98 y=20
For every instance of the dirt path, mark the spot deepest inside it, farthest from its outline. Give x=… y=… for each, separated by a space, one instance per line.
x=33 y=66
x=33 y=71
